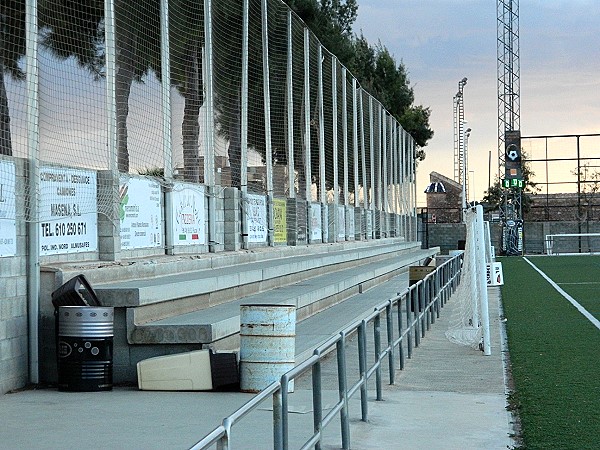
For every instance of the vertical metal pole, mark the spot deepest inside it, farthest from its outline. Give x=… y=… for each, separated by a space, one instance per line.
x=414 y=188
x=290 y=109
x=355 y=142
x=322 y=192
x=372 y=165
x=409 y=307
x=377 y=340
x=401 y=342
x=267 y=107
x=485 y=315
x=363 y=161
x=280 y=418
x=166 y=120
x=33 y=144
x=209 y=158
x=362 y=367
x=307 y=149
x=417 y=314
x=423 y=305
x=317 y=399
x=334 y=148
x=392 y=173
x=427 y=300
x=379 y=174
x=578 y=195
x=390 y=340
x=284 y=412
x=343 y=391
x=345 y=133
x=384 y=166
x=244 y=124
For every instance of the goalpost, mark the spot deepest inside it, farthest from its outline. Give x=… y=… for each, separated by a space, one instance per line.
x=572 y=243
x=470 y=322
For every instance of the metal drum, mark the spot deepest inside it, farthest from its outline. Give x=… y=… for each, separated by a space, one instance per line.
x=85 y=348
x=267 y=344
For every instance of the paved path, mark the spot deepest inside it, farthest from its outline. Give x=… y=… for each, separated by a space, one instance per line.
x=448 y=397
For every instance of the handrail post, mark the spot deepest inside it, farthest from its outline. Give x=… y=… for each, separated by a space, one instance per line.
x=427 y=300
x=416 y=314
x=409 y=307
x=317 y=398
x=377 y=339
x=390 y=337
x=362 y=364
x=422 y=312
x=280 y=415
x=343 y=391
x=401 y=342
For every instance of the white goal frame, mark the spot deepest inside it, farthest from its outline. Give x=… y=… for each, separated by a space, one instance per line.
x=550 y=241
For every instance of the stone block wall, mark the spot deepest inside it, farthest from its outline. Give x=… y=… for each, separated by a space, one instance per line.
x=14 y=353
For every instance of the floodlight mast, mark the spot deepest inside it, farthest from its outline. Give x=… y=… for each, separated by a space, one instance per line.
x=459 y=126
x=509 y=116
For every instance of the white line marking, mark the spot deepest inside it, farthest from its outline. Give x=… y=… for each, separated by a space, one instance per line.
x=580 y=308
x=580 y=282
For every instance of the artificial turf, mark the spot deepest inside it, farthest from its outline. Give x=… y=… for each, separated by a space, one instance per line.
x=554 y=353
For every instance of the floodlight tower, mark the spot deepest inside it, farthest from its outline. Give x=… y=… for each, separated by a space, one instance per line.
x=459 y=127
x=509 y=123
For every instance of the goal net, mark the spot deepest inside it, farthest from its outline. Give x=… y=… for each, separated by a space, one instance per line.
x=469 y=323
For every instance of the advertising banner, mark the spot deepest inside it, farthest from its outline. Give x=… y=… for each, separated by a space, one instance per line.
x=315 y=222
x=140 y=213
x=256 y=210
x=279 y=219
x=8 y=225
x=494 y=275
x=188 y=214
x=341 y=222
x=68 y=211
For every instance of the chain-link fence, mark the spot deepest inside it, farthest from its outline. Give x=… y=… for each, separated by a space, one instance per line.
x=137 y=116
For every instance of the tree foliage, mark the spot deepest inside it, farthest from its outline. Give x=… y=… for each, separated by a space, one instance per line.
x=494 y=196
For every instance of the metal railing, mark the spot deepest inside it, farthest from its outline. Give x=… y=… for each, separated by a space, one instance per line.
x=409 y=315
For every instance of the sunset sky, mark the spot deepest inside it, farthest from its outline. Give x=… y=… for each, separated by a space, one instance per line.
x=442 y=41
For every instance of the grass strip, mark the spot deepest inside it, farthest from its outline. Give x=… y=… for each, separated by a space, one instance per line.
x=554 y=361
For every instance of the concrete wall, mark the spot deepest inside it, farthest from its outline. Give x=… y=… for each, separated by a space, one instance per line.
x=13 y=301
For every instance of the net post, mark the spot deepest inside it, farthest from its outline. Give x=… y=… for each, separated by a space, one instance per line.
x=485 y=316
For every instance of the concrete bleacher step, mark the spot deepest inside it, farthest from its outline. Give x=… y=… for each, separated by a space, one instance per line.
x=173 y=294
x=310 y=296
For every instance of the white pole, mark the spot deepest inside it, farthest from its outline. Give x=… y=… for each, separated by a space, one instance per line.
x=166 y=116
x=33 y=143
x=209 y=154
x=267 y=108
x=485 y=314
x=244 y=125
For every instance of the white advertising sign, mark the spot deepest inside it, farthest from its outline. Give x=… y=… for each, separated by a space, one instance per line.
x=140 y=213
x=315 y=222
x=256 y=210
x=8 y=226
x=68 y=211
x=188 y=214
x=350 y=230
x=341 y=222
x=494 y=276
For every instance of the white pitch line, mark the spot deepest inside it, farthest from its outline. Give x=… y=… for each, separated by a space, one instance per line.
x=574 y=302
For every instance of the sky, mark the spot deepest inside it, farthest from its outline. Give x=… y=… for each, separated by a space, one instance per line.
x=442 y=41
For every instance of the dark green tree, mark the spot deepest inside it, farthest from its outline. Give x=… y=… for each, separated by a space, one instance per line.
x=12 y=49
x=495 y=195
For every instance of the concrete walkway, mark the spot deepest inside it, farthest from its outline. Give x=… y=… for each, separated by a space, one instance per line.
x=447 y=397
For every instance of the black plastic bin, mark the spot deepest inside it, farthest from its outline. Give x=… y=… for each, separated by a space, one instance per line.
x=84 y=338
x=75 y=292
x=85 y=348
